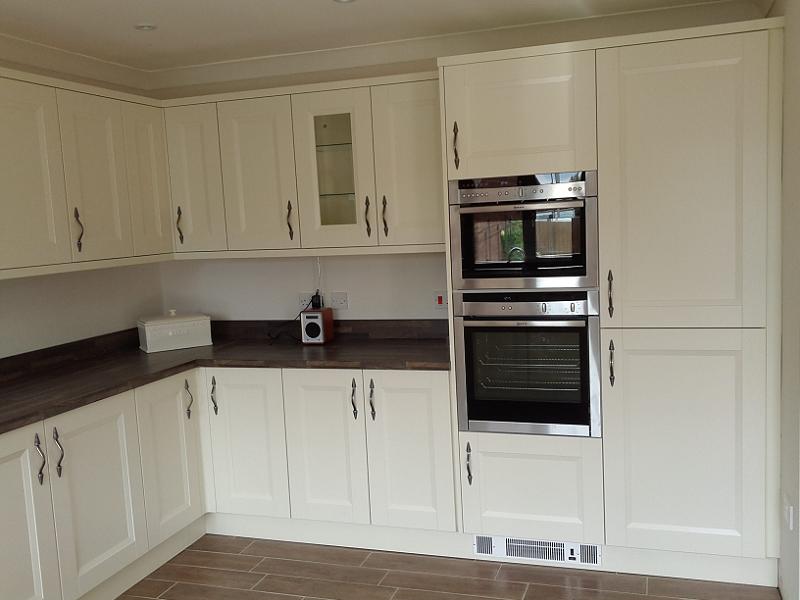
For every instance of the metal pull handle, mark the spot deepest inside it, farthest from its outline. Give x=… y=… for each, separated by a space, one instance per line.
x=59 y=468
x=353 y=400
x=611 y=377
x=191 y=398
x=178 y=225
x=79 y=243
x=366 y=216
x=289 y=219
x=469 y=464
x=456 y=160
x=385 y=223
x=372 y=398
x=37 y=443
x=610 y=293
x=214 y=395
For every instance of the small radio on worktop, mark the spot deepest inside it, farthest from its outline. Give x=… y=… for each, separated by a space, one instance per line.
x=317 y=325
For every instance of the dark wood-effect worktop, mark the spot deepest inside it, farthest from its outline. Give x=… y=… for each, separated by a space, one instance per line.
x=42 y=384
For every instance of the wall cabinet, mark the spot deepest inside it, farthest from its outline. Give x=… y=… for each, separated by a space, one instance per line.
x=541 y=487
x=34 y=229
x=248 y=441
x=93 y=142
x=196 y=178
x=96 y=484
x=28 y=557
x=168 y=417
x=682 y=133
x=684 y=440
x=521 y=116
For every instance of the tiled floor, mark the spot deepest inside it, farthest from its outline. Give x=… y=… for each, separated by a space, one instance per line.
x=233 y=568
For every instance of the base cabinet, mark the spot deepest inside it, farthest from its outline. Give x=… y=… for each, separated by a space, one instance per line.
x=548 y=488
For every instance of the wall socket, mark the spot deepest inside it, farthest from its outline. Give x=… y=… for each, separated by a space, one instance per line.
x=338 y=300
x=304 y=300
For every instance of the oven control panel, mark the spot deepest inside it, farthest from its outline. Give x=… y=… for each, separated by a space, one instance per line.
x=524 y=189
x=526 y=304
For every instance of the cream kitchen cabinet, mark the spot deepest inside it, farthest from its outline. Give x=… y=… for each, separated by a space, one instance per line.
x=684 y=439
x=408 y=163
x=148 y=179
x=410 y=449
x=682 y=134
x=34 y=229
x=248 y=441
x=258 y=173
x=93 y=144
x=196 y=178
x=335 y=169
x=168 y=417
x=521 y=116
x=541 y=487
x=96 y=480
x=28 y=557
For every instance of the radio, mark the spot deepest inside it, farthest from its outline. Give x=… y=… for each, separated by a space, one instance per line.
x=317 y=325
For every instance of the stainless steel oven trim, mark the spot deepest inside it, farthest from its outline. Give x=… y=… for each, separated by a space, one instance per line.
x=547 y=308
x=565 y=323
x=536 y=428
x=542 y=191
x=532 y=206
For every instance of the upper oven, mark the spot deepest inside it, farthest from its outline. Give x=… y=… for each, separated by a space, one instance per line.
x=527 y=232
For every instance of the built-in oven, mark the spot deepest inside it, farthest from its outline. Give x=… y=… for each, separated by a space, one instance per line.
x=528 y=362
x=526 y=232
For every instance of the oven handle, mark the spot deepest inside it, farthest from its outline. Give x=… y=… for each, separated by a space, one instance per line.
x=508 y=207
x=573 y=323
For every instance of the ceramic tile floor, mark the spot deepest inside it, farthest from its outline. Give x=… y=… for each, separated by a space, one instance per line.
x=234 y=568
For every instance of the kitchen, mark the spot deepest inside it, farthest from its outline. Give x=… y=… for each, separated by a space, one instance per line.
x=498 y=312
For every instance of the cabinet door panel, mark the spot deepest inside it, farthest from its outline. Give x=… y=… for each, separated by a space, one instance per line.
x=34 y=229
x=521 y=116
x=682 y=204
x=93 y=141
x=326 y=443
x=248 y=441
x=28 y=558
x=410 y=451
x=684 y=440
x=258 y=173
x=408 y=163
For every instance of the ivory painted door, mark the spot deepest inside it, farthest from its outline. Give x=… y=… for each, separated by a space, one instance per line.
x=258 y=173
x=541 y=487
x=93 y=143
x=408 y=163
x=97 y=497
x=248 y=441
x=410 y=449
x=335 y=169
x=684 y=440
x=28 y=557
x=682 y=133
x=168 y=415
x=148 y=179
x=521 y=116
x=34 y=229
x=198 y=208
x=326 y=444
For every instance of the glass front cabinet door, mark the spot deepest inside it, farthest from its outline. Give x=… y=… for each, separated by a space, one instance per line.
x=335 y=170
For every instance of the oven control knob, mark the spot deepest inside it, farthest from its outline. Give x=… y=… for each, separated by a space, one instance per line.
x=502 y=308
x=572 y=307
x=544 y=307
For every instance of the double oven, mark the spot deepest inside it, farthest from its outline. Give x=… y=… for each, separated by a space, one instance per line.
x=524 y=255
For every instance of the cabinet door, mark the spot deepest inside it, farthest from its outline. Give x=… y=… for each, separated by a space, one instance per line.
x=97 y=492
x=410 y=451
x=682 y=130
x=335 y=170
x=93 y=142
x=34 y=229
x=248 y=441
x=542 y=487
x=521 y=116
x=198 y=209
x=148 y=179
x=684 y=440
x=258 y=173
x=28 y=558
x=326 y=443
x=408 y=163
x=168 y=434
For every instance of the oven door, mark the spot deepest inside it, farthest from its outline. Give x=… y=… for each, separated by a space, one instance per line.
x=534 y=245
x=537 y=376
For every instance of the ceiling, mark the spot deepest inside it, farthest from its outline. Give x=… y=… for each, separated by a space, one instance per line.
x=193 y=32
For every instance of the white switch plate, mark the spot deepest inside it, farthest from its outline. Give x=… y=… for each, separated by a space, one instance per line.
x=338 y=300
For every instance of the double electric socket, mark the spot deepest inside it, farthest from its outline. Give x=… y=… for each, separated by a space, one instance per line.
x=337 y=300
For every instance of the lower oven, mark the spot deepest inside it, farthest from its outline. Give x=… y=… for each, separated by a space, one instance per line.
x=528 y=362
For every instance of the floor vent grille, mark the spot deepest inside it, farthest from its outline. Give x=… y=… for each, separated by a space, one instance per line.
x=537 y=550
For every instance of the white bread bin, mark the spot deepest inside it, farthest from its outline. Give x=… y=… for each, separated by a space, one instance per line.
x=174 y=331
